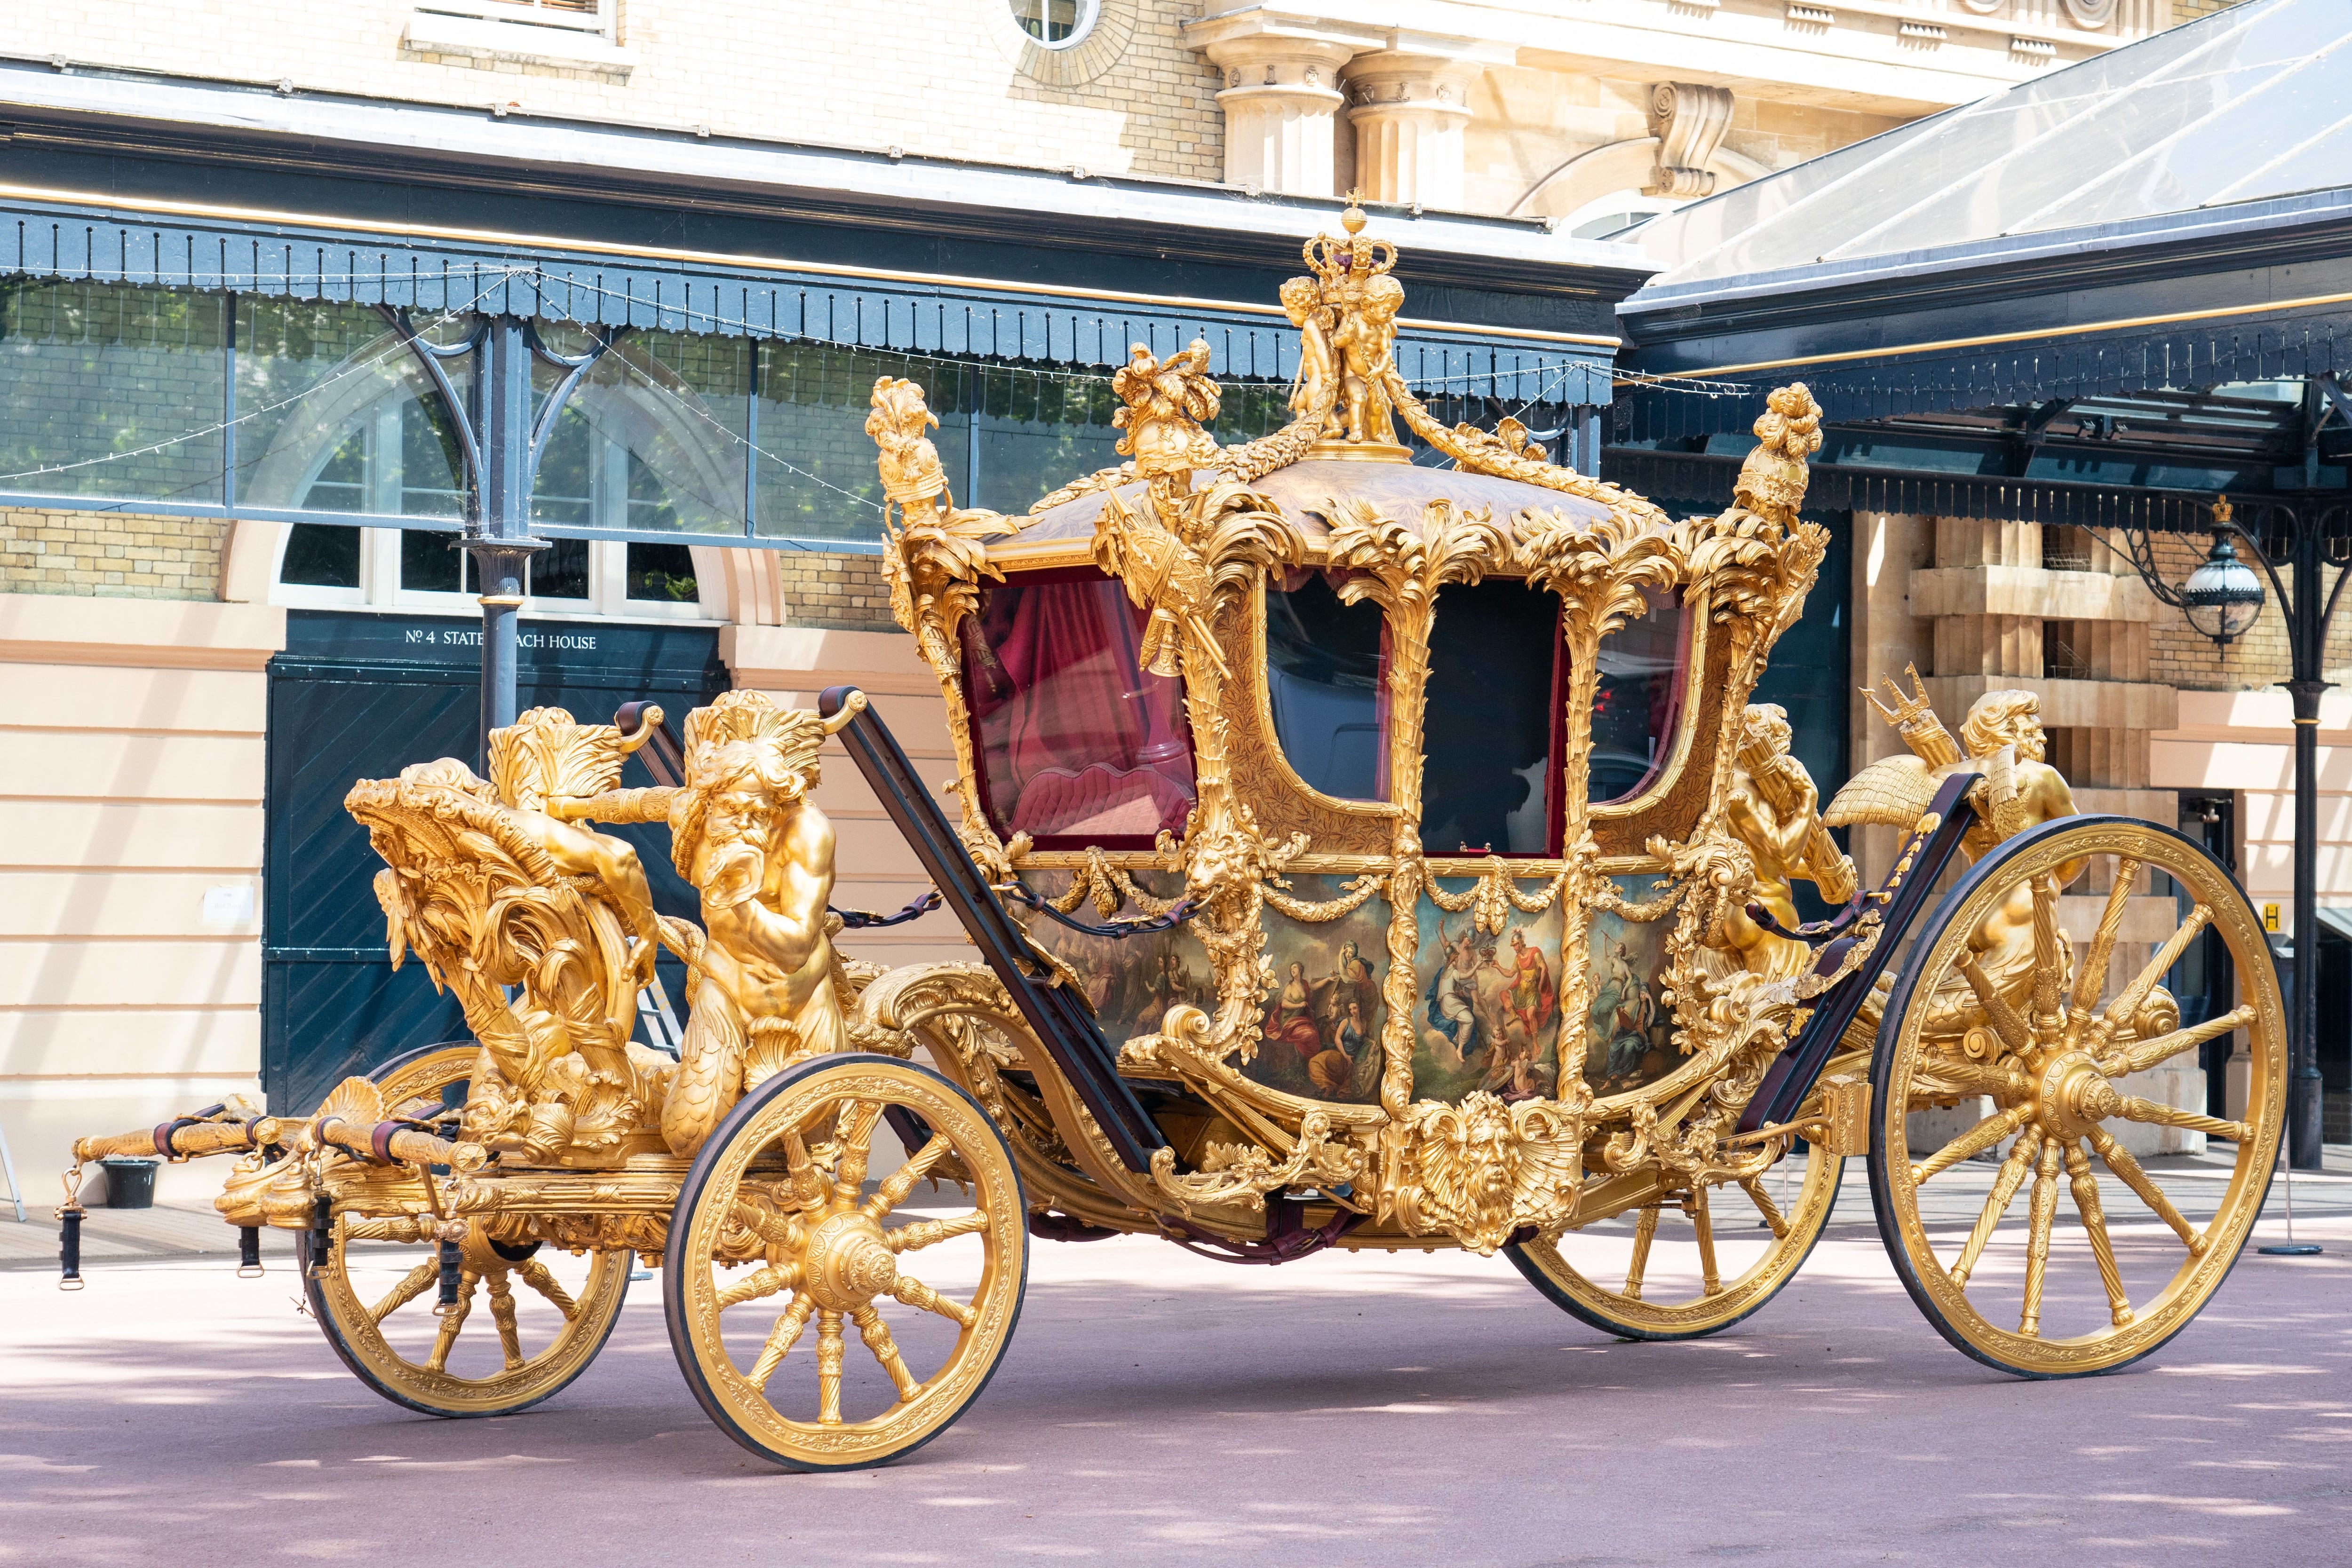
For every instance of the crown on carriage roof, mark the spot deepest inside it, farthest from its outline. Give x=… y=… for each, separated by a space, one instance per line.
x=1338 y=260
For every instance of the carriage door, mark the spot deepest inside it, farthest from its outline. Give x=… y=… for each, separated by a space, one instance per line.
x=359 y=696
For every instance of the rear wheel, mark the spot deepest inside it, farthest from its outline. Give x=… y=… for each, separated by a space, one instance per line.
x=1694 y=1263
x=1998 y=1011
x=548 y=1313
x=781 y=1188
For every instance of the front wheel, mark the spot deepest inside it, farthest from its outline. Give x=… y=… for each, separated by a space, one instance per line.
x=781 y=1189
x=1698 y=1261
x=2000 y=1010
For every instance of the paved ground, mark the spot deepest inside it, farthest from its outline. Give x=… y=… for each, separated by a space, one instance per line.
x=1155 y=1407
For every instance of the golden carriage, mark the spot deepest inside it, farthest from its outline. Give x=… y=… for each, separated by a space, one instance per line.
x=1358 y=854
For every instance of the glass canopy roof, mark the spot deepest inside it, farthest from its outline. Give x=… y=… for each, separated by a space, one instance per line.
x=2247 y=104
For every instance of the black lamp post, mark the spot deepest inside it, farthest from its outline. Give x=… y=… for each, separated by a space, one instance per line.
x=2221 y=598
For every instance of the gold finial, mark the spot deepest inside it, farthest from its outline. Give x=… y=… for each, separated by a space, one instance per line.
x=2220 y=511
x=1352 y=219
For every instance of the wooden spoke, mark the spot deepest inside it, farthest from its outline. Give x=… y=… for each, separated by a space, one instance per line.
x=914 y=1293
x=2132 y=1108
x=830 y=1351
x=930 y=1232
x=445 y=1339
x=2147 y=1053
x=2012 y=1030
x=502 y=1313
x=2129 y=1000
x=2119 y=1160
x=420 y=1280
x=1646 y=1230
x=2049 y=955
x=2004 y=1193
x=1710 y=1281
x=780 y=1340
x=1754 y=1188
x=1982 y=1136
x=2095 y=1225
x=876 y=1335
x=765 y=1280
x=858 y=1119
x=1946 y=1077
x=536 y=1275
x=901 y=1182
x=2037 y=1242
x=2093 y=974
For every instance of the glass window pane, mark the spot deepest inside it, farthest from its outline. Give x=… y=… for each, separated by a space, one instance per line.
x=815 y=464
x=1039 y=430
x=560 y=570
x=107 y=389
x=662 y=572
x=430 y=562
x=1326 y=665
x=1639 y=697
x=1077 y=743
x=653 y=439
x=324 y=555
x=1493 y=657
x=337 y=415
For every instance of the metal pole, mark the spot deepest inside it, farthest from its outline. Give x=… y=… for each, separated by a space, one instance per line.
x=2303 y=1089
x=501 y=542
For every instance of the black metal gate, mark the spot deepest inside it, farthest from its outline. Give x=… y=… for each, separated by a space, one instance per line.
x=359 y=696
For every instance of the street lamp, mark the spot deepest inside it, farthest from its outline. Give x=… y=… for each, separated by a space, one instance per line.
x=2222 y=596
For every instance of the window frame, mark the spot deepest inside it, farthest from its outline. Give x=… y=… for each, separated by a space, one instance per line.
x=601 y=19
x=380 y=585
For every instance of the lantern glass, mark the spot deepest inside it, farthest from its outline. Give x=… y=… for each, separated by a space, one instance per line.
x=2222 y=596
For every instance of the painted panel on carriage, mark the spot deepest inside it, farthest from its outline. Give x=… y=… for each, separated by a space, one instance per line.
x=1486 y=1013
x=1132 y=981
x=1320 y=1036
x=1632 y=1027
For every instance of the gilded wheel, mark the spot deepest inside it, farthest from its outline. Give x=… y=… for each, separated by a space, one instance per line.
x=2000 y=1009
x=1691 y=1263
x=548 y=1313
x=781 y=1189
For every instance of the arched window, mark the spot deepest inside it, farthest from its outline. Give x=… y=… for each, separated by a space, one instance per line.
x=1606 y=217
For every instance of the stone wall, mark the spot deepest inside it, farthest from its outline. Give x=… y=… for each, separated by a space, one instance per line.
x=951 y=81
x=111 y=555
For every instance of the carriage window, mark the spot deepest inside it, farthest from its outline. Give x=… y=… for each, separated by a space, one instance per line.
x=1639 y=698
x=1325 y=668
x=1077 y=742
x=1487 y=782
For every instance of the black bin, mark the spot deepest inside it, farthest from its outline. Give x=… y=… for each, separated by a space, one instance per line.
x=130 y=1183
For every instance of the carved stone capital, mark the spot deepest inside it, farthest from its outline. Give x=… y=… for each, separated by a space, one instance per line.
x=1689 y=121
x=1280 y=93
x=1409 y=102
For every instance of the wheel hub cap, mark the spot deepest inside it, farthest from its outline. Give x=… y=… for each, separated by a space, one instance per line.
x=848 y=1265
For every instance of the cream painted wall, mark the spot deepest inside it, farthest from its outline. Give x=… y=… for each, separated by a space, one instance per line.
x=2244 y=741
x=130 y=834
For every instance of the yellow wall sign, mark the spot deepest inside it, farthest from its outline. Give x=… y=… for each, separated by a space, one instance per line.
x=2270 y=916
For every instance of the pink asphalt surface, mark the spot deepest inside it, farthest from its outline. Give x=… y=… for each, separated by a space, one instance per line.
x=1158 y=1408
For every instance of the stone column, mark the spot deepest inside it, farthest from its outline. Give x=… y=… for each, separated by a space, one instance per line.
x=1409 y=110
x=1281 y=96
